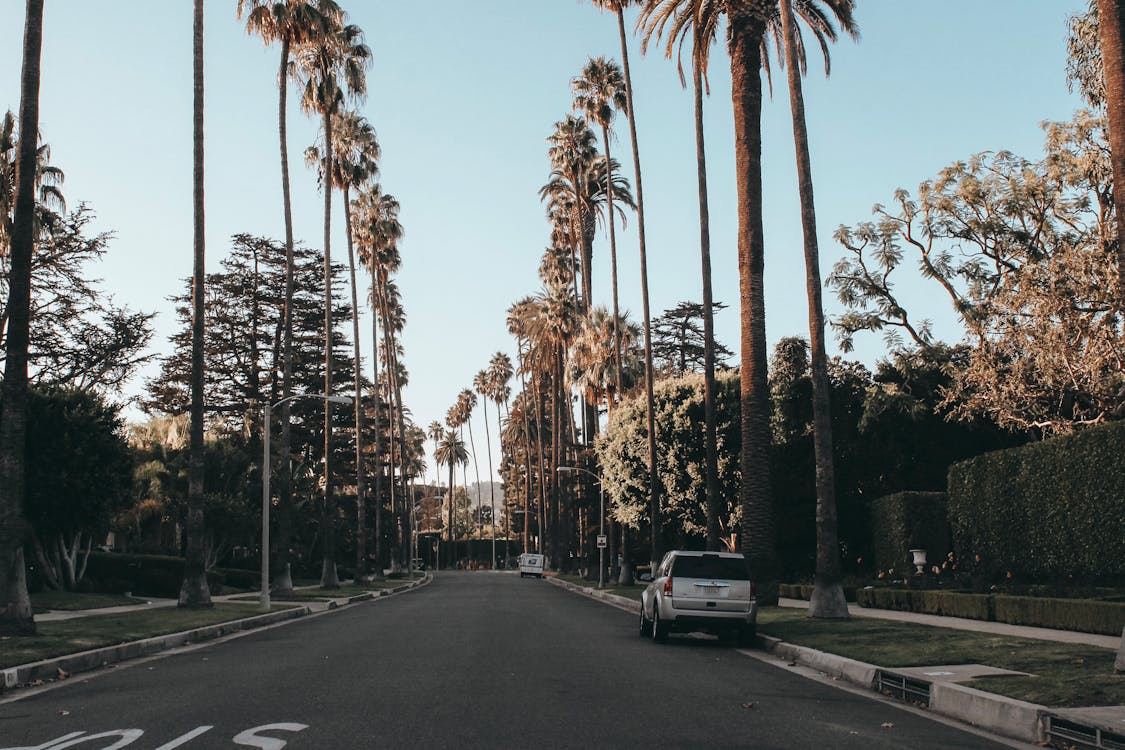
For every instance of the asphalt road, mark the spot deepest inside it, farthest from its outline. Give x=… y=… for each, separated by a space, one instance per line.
x=473 y=660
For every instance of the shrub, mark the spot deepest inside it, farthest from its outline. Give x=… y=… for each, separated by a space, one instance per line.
x=151 y=575
x=1107 y=618
x=905 y=521
x=1049 y=511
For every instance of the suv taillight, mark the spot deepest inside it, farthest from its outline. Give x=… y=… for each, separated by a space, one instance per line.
x=668 y=586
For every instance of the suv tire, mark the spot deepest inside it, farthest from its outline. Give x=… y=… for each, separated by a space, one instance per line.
x=659 y=629
x=645 y=624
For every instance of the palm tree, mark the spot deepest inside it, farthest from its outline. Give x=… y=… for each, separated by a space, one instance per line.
x=618 y=7
x=292 y=23
x=48 y=178
x=827 y=599
x=377 y=234
x=482 y=384
x=15 y=606
x=451 y=452
x=331 y=64
x=698 y=19
x=1111 y=23
x=194 y=592
x=598 y=93
x=354 y=163
x=572 y=153
x=518 y=318
x=499 y=373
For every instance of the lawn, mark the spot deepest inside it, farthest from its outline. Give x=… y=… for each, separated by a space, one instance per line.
x=629 y=592
x=69 y=601
x=63 y=637
x=1064 y=674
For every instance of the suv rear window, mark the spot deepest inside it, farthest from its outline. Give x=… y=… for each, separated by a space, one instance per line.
x=711 y=566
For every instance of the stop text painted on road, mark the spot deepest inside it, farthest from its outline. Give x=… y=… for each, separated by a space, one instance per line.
x=254 y=737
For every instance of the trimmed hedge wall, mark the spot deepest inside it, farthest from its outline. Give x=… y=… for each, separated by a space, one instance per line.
x=1049 y=511
x=1084 y=615
x=905 y=521
x=150 y=575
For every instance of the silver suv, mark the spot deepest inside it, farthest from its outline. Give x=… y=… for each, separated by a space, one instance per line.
x=709 y=592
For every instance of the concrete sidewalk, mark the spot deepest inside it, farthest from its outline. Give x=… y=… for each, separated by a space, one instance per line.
x=936 y=687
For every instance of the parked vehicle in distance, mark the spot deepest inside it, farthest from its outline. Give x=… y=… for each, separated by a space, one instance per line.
x=705 y=592
x=531 y=565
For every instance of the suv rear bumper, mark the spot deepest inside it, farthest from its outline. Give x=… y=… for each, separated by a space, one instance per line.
x=695 y=620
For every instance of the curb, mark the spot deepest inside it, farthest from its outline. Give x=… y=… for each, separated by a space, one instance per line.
x=1007 y=717
x=48 y=669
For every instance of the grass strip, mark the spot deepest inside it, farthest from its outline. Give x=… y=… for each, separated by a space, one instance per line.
x=1064 y=674
x=630 y=592
x=71 y=601
x=62 y=637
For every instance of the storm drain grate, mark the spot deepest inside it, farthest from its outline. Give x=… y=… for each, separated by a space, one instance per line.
x=904 y=688
x=1082 y=736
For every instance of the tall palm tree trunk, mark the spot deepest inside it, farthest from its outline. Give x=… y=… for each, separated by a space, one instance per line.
x=282 y=577
x=507 y=514
x=328 y=577
x=710 y=440
x=194 y=593
x=527 y=456
x=404 y=459
x=377 y=488
x=653 y=476
x=15 y=607
x=491 y=484
x=745 y=30
x=827 y=598
x=1111 y=21
x=612 y=258
x=360 y=479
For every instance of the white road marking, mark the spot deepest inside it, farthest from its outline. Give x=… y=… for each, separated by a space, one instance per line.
x=250 y=737
x=185 y=738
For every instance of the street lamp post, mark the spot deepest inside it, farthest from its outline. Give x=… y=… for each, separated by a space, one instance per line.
x=264 y=596
x=601 y=517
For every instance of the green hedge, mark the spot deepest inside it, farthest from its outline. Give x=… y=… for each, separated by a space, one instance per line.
x=1084 y=615
x=905 y=521
x=1049 y=511
x=1107 y=618
x=149 y=575
x=930 y=602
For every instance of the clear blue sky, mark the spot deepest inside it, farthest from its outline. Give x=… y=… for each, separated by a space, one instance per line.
x=462 y=96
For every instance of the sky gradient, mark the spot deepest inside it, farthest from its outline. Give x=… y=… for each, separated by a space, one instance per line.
x=463 y=96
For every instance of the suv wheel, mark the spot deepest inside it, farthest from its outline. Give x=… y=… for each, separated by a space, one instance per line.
x=646 y=624
x=659 y=629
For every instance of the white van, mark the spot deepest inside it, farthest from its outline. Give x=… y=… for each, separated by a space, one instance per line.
x=531 y=565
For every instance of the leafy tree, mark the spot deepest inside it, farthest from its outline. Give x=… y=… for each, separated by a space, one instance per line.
x=1025 y=252
x=78 y=477
x=622 y=451
x=15 y=606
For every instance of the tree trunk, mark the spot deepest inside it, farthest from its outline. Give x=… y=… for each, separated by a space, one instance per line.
x=282 y=576
x=710 y=440
x=491 y=484
x=378 y=481
x=744 y=34
x=194 y=593
x=827 y=598
x=360 y=479
x=653 y=475
x=15 y=606
x=328 y=578
x=1111 y=20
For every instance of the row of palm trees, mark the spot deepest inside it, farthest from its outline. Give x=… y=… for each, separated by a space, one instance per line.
x=560 y=324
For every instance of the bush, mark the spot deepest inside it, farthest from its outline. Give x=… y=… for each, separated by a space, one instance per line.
x=1049 y=511
x=150 y=575
x=239 y=578
x=905 y=521
x=1107 y=618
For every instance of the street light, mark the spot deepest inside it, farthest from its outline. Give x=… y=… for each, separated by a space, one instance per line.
x=264 y=597
x=601 y=517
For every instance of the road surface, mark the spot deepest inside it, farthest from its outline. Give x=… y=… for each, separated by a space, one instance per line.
x=474 y=660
